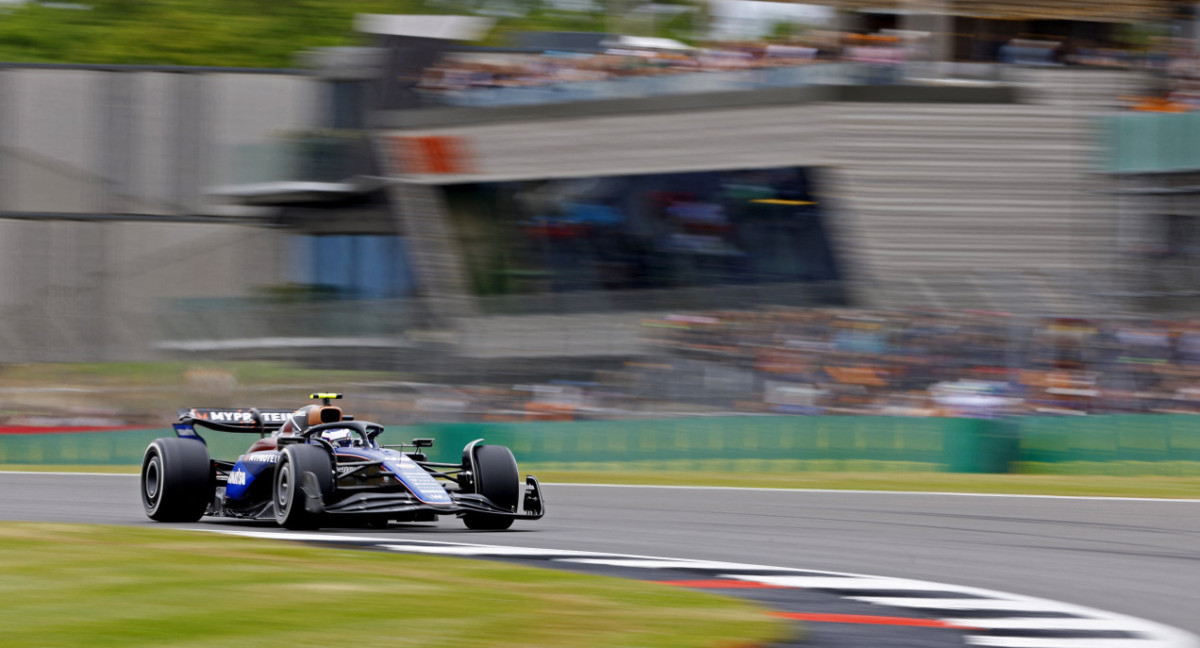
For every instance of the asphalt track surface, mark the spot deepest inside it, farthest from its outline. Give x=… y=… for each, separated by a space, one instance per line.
x=1135 y=557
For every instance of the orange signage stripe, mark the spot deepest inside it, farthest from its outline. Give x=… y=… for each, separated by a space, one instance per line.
x=430 y=154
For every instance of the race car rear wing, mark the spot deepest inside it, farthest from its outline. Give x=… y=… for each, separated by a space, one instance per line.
x=252 y=421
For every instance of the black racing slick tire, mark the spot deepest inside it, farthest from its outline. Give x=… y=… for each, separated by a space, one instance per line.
x=303 y=481
x=177 y=480
x=496 y=478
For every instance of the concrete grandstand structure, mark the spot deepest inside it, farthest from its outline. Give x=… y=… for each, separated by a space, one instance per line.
x=936 y=196
x=1086 y=10
x=943 y=197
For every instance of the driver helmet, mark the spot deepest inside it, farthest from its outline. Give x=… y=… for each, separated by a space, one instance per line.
x=341 y=438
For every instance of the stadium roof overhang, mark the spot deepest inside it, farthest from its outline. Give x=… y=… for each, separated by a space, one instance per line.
x=353 y=206
x=290 y=192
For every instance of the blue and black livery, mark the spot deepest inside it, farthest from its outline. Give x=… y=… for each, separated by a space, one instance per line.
x=314 y=466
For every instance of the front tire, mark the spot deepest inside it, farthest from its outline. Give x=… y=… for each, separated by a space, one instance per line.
x=177 y=480
x=303 y=480
x=496 y=477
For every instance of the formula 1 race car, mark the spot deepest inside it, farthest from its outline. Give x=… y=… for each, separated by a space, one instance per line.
x=314 y=466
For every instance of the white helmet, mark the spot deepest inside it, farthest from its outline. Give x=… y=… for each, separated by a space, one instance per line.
x=339 y=438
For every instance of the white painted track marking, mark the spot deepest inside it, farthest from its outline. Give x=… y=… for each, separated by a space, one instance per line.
x=964 y=605
x=862 y=583
x=498 y=552
x=885 y=492
x=669 y=564
x=1054 y=642
x=1042 y=624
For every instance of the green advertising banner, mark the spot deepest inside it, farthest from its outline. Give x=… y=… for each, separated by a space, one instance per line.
x=830 y=438
x=104 y=448
x=825 y=443
x=1121 y=444
x=1118 y=444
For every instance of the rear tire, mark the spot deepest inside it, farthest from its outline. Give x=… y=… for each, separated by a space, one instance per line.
x=177 y=480
x=496 y=478
x=298 y=497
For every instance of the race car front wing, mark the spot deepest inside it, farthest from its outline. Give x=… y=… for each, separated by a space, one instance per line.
x=384 y=503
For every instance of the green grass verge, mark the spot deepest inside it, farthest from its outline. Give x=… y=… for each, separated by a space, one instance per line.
x=1079 y=485
x=1029 y=484
x=69 y=585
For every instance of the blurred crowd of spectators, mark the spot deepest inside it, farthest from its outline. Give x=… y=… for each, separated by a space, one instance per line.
x=522 y=70
x=887 y=48
x=930 y=364
x=788 y=361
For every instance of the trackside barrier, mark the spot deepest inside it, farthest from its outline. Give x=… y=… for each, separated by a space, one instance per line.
x=824 y=442
x=874 y=443
x=1120 y=444
x=102 y=448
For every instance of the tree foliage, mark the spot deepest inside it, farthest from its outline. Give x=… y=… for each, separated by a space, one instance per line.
x=260 y=33
x=240 y=33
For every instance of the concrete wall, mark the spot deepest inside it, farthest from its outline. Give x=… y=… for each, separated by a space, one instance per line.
x=87 y=291
x=943 y=201
x=127 y=141
x=131 y=140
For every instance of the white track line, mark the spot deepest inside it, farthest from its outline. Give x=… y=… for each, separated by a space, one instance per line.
x=962 y=605
x=499 y=552
x=1041 y=624
x=883 y=492
x=842 y=583
x=669 y=563
x=1054 y=642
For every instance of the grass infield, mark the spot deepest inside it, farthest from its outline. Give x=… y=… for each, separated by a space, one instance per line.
x=1077 y=485
x=75 y=585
